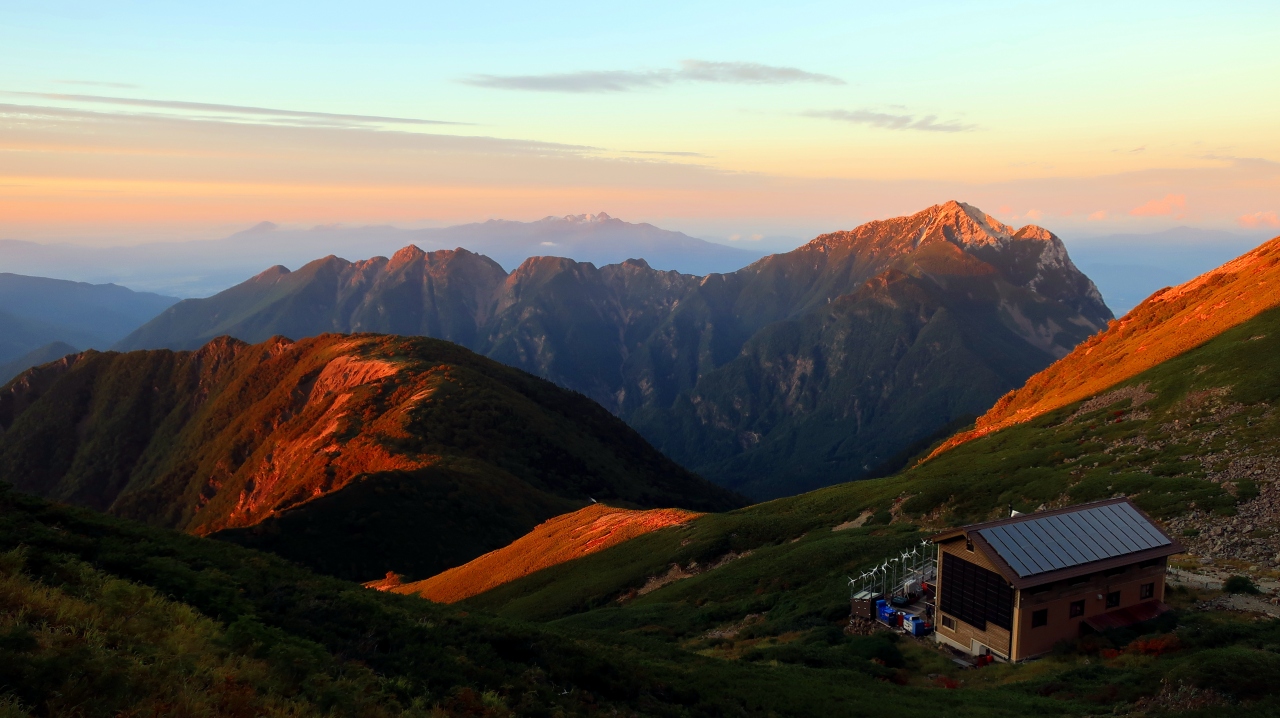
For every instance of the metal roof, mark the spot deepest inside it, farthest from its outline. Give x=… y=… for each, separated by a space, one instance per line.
x=1039 y=544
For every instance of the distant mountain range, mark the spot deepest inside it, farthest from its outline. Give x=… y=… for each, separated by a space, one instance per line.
x=356 y=455
x=43 y=319
x=202 y=268
x=824 y=364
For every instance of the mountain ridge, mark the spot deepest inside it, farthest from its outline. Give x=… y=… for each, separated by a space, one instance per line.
x=202 y=268
x=663 y=349
x=297 y=446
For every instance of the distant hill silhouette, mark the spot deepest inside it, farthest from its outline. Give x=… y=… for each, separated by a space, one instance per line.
x=37 y=312
x=202 y=268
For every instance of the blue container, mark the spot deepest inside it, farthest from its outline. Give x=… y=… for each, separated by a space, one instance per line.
x=884 y=611
x=919 y=627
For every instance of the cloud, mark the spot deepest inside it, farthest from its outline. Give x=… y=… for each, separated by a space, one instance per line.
x=608 y=81
x=94 y=83
x=665 y=154
x=1097 y=216
x=1172 y=204
x=884 y=120
x=1259 y=219
x=737 y=73
x=229 y=109
x=750 y=73
x=1034 y=215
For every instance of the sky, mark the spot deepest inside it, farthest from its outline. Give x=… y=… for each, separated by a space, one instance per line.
x=742 y=122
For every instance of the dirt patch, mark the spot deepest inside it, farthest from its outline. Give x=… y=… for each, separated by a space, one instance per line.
x=1137 y=396
x=856 y=523
x=732 y=630
x=677 y=572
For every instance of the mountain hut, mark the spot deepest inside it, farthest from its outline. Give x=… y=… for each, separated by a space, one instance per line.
x=1013 y=588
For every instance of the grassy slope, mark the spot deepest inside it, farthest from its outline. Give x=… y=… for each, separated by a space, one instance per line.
x=1220 y=394
x=559 y=539
x=147 y=620
x=1042 y=462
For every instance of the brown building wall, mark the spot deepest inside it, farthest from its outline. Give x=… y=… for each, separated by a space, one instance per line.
x=1029 y=642
x=963 y=635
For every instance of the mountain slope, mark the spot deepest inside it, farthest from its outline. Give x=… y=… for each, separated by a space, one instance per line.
x=356 y=454
x=1167 y=324
x=103 y=617
x=830 y=361
x=553 y=542
x=1195 y=441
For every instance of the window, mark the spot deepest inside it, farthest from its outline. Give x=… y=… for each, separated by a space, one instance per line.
x=1041 y=590
x=949 y=623
x=1077 y=608
x=968 y=545
x=1149 y=563
x=1079 y=580
x=1040 y=618
x=1113 y=599
x=1116 y=571
x=974 y=595
x=1146 y=590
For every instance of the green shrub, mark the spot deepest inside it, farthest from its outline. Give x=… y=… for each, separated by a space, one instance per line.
x=1242 y=672
x=1240 y=584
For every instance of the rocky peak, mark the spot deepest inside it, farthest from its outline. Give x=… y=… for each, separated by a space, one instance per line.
x=581 y=218
x=964 y=224
x=407 y=254
x=955 y=222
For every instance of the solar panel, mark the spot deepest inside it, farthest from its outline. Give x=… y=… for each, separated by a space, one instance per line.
x=1049 y=543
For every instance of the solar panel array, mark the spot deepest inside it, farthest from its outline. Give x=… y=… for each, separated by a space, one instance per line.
x=1060 y=541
